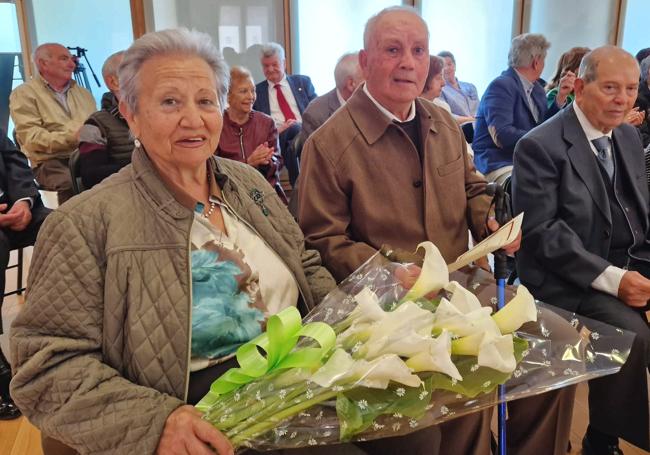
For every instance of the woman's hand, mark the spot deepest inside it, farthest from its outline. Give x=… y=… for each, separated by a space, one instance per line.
x=261 y=155
x=635 y=117
x=186 y=433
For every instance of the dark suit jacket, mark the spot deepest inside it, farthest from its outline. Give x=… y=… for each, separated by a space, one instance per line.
x=318 y=111
x=503 y=117
x=567 y=223
x=301 y=87
x=16 y=177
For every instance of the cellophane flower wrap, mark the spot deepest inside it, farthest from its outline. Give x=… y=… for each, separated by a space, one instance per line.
x=375 y=360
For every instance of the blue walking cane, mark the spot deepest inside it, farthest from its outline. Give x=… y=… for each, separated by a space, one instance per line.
x=500 y=274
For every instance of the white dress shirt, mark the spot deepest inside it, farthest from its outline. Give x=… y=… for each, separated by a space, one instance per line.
x=276 y=113
x=388 y=113
x=610 y=279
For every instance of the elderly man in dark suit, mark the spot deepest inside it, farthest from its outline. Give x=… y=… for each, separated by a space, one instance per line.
x=21 y=215
x=283 y=97
x=580 y=179
x=347 y=76
x=513 y=104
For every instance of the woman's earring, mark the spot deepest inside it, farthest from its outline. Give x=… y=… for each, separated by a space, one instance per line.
x=137 y=143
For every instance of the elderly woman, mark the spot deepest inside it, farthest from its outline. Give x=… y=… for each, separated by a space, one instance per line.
x=643 y=101
x=142 y=287
x=435 y=82
x=250 y=136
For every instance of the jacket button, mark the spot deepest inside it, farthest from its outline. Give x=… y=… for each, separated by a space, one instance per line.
x=607 y=233
x=417 y=184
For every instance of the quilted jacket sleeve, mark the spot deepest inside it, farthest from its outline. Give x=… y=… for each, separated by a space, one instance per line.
x=61 y=382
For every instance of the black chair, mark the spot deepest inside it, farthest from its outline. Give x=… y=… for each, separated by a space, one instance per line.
x=507 y=189
x=20 y=288
x=75 y=172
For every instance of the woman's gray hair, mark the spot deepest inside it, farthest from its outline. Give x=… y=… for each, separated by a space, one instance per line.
x=271 y=50
x=525 y=48
x=645 y=68
x=169 y=42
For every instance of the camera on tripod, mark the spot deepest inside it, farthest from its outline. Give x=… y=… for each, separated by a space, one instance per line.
x=80 y=75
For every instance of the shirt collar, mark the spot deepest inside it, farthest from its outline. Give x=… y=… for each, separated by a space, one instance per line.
x=528 y=86
x=388 y=113
x=283 y=82
x=590 y=130
x=63 y=91
x=339 y=97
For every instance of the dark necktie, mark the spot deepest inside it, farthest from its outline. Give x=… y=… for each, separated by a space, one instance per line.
x=284 y=105
x=603 y=146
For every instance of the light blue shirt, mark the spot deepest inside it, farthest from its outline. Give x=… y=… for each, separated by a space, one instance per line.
x=528 y=89
x=463 y=102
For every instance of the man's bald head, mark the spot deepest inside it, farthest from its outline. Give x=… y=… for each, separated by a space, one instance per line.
x=54 y=63
x=374 y=22
x=589 y=64
x=109 y=72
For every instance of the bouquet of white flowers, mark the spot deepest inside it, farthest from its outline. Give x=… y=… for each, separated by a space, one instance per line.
x=376 y=360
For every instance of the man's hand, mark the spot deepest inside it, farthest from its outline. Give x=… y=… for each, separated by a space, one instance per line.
x=513 y=247
x=285 y=125
x=634 y=289
x=565 y=87
x=261 y=155
x=17 y=218
x=187 y=434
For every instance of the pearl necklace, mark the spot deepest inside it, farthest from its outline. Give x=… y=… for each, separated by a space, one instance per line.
x=210 y=210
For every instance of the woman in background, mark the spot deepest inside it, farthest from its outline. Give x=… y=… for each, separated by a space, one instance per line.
x=250 y=136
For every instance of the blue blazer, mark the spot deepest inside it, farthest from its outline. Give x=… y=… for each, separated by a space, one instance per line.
x=301 y=87
x=503 y=117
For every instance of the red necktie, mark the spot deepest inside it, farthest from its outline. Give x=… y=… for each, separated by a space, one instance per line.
x=284 y=105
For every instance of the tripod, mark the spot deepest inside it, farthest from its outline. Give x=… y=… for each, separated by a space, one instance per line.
x=80 y=75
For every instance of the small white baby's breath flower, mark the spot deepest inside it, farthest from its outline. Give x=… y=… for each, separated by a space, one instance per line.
x=363 y=404
x=400 y=392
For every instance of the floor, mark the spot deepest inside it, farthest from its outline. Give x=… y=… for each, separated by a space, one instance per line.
x=19 y=437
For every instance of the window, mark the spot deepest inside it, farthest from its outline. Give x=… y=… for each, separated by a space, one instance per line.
x=635 y=27
x=238 y=27
x=569 y=24
x=477 y=33
x=325 y=30
x=79 y=23
x=11 y=64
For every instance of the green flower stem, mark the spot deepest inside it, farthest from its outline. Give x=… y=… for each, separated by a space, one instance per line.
x=272 y=422
x=260 y=411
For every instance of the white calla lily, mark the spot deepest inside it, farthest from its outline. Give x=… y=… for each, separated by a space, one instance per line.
x=342 y=369
x=518 y=311
x=448 y=317
x=436 y=357
x=461 y=298
x=368 y=308
x=493 y=351
x=434 y=275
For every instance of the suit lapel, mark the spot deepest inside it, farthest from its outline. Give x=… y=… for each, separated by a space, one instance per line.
x=298 y=94
x=263 y=97
x=522 y=93
x=583 y=161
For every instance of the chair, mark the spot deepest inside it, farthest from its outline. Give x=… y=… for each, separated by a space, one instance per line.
x=19 y=280
x=507 y=189
x=468 y=131
x=75 y=172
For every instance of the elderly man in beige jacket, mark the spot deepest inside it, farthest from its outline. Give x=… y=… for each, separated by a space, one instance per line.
x=48 y=112
x=389 y=168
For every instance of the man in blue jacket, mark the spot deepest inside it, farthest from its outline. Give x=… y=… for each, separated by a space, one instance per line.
x=283 y=97
x=513 y=104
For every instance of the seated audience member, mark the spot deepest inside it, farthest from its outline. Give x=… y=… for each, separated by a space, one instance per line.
x=347 y=76
x=567 y=65
x=642 y=54
x=105 y=142
x=120 y=348
x=462 y=97
x=283 y=97
x=250 y=136
x=22 y=213
x=643 y=101
x=370 y=178
x=434 y=83
x=580 y=179
x=513 y=104
x=48 y=112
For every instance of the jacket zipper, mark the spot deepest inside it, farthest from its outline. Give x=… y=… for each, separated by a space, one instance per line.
x=302 y=295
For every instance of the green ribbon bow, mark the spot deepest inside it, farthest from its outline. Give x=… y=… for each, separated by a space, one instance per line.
x=282 y=333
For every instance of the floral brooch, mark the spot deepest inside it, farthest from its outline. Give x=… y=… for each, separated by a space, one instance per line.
x=258 y=198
